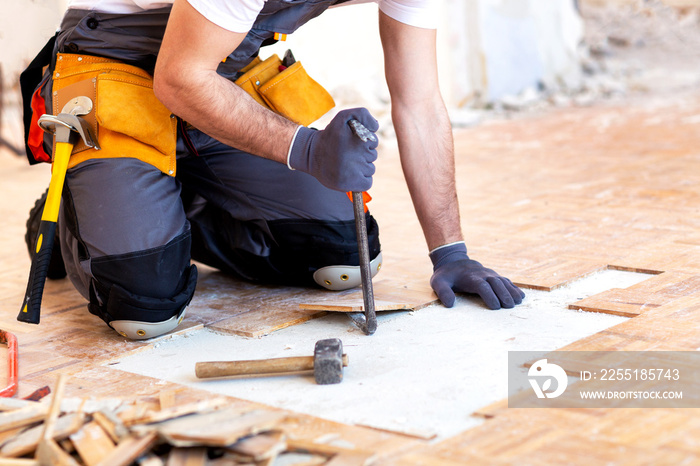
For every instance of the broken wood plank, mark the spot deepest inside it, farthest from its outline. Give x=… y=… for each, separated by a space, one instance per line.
x=149 y=416
x=92 y=443
x=231 y=425
x=9 y=434
x=19 y=462
x=12 y=404
x=67 y=446
x=27 y=441
x=261 y=322
x=49 y=453
x=167 y=398
x=407 y=432
x=297 y=459
x=129 y=450
x=196 y=456
x=351 y=459
x=615 y=301
x=260 y=447
x=111 y=424
x=151 y=459
x=23 y=417
x=322 y=448
x=55 y=408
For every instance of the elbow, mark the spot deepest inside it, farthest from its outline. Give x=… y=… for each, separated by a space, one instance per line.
x=165 y=89
x=161 y=89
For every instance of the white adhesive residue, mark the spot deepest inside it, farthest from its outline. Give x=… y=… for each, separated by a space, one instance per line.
x=424 y=372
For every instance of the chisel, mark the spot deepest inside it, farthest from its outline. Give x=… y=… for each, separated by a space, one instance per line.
x=367 y=322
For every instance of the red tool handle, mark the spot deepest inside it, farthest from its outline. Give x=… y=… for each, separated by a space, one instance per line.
x=11 y=342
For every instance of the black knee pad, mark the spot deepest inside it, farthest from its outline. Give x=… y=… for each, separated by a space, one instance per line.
x=143 y=295
x=286 y=251
x=309 y=246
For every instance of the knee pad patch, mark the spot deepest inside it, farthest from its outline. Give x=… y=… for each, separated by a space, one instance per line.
x=141 y=317
x=344 y=277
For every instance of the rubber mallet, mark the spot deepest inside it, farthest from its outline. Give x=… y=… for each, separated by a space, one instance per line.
x=327 y=364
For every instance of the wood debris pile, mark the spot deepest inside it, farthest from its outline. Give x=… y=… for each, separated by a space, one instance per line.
x=119 y=432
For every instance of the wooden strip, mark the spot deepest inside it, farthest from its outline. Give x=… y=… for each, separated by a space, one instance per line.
x=23 y=417
x=55 y=408
x=27 y=441
x=356 y=306
x=92 y=443
x=129 y=450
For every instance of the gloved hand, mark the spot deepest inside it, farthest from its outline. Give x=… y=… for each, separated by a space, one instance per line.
x=454 y=271
x=335 y=156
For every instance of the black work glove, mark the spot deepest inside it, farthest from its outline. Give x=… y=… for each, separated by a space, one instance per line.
x=454 y=271
x=335 y=156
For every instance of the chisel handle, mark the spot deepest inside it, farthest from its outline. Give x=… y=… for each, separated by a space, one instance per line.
x=31 y=307
x=206 y=370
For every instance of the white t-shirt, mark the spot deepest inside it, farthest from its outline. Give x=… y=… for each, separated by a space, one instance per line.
x=239 y=15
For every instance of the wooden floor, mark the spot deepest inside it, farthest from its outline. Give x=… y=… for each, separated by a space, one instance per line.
x=545 y=200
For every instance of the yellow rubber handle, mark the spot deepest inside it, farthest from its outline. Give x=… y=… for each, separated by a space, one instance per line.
x=60 y=165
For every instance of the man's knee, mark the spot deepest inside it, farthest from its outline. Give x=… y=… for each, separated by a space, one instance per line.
x=144 y=294
x=325 y=252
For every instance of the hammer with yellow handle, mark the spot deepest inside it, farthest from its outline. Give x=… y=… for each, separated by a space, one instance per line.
x=68 y=127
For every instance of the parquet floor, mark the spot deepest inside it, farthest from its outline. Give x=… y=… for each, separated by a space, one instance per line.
x=545 y=200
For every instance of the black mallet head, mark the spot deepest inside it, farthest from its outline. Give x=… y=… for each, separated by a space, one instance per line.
x=329 y=361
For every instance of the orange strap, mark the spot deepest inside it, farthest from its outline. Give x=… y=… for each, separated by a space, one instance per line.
x=365 y=198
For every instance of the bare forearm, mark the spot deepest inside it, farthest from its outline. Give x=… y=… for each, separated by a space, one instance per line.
x=186 y=82
x=427 y=157
x=224 y=111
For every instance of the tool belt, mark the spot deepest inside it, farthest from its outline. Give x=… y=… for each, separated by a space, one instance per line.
x=127 y=118
x=289 y=91
x=129 y=121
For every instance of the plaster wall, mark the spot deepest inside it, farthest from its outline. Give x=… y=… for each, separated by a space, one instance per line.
x=487 y=48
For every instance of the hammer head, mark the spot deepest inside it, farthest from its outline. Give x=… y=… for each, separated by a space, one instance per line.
x=68 y=126
x=328 y=361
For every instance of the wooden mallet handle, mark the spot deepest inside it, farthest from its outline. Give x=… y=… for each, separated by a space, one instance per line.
x=206 y=370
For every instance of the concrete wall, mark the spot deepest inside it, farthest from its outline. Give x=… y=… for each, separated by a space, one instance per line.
x=501 y=47
x=25 y=26
x=486 y=49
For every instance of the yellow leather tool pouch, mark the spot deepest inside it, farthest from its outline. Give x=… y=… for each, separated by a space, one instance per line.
x=291 y=92
x=130 y=121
